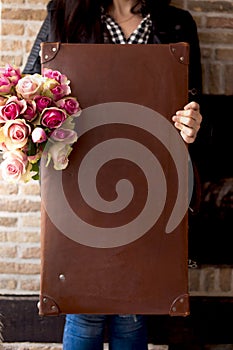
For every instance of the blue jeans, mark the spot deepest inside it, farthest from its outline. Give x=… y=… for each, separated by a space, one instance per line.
x=86 y=332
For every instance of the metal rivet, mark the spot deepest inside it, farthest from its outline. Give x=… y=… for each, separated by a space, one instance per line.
x=54 y=49
x=62 y=277
x=46 y=57
x=53 y=307
x=173 y=49
x=174 y=309
x=181 y=300
x=45 y=300
x=181 y=59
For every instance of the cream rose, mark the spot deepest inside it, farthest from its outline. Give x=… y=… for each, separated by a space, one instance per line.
x=14 y=166
x=59 y=153
x=29 y=86
x=16 y=133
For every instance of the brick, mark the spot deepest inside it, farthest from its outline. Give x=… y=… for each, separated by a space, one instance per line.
x=210 y=6
x=209 y=279
x=206 y=52
x=8 y=222
x=224 y=54
x=19 y=205
x=28 y=46
x=2 y=237
x=11 y=45
x=31 y=188
x=25 y=15
x=8 y=251
x=199 y=21
x=21 y=237
x=219 y=22
x=36 y=2
x=19 y=268
x=228 y=74
x=29 y=253
x=7 y=188
x=12 y=29
x=30 y=285
x=216 y=37
x=16 y=60
x=194 y=280
x=18 y=2
x=225 y=279
x=30 y=221
x=178 y=3
x=8 y=283
x=31 y=31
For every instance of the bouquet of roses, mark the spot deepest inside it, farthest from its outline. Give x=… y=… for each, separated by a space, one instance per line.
x=35 y=110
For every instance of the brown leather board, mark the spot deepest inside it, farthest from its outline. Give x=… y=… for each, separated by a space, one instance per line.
x=114 y=222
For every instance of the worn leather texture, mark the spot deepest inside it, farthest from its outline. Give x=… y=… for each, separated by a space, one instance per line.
x=92 y=260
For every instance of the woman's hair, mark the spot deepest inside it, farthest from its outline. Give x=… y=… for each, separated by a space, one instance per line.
x=79 y=20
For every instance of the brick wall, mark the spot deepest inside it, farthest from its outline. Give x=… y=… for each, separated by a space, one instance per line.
x=21 y=20
x=20 y=204
x=214 y=19
x=19 y=238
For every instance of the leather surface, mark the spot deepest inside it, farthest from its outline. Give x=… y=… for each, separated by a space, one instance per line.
x=146 y=273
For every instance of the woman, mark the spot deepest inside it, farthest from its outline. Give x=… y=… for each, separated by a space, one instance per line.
x=121 y=22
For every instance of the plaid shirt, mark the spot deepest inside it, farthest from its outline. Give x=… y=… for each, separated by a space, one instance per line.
x=139 y=36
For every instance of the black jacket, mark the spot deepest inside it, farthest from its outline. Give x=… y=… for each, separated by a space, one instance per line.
x=172 y=25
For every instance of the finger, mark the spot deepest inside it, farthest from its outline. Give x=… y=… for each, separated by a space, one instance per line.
x=188 y=131
x=192 y=105
x=191 y=114
x=188 y=121
x=186 y=138
x=188 y=134
x=188 y=113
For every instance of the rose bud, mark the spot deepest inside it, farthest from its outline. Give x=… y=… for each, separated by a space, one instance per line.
x=39 y=135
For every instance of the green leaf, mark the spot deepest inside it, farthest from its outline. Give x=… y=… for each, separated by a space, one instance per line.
x=31 y=148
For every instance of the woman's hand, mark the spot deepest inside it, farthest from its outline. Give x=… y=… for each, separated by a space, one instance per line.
x=188 y=121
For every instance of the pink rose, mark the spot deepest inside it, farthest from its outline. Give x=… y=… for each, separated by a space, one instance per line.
x=54 y=74
x=31 y=112
x=13 y=166
x=67 y=136
x=29 y=86
x=59 y=153
x=5 y=85
x=52 y=117
x=39 y=135
x=12 y=109
x=60 y=91
x=12 y=73
x=42 y=102
x=16 y=134
x=70 y=104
